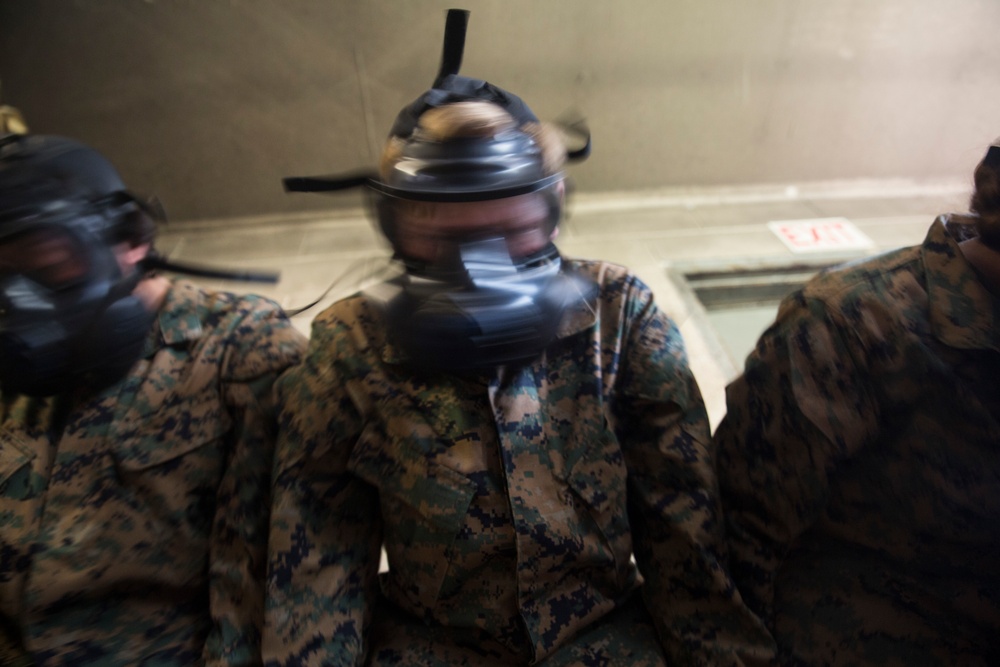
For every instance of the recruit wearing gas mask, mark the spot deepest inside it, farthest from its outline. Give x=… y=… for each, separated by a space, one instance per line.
x=481 y=297
x=70 y=317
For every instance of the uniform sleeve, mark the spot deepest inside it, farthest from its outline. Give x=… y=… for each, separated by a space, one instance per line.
x=326 y=535
x=674 y=506
x=261 y=344
x=801 y=409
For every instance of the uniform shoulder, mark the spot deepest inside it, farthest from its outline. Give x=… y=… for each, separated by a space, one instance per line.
x=344 y=311
x=349 y=333
x=867 y=279
x=252 y=332
x=875 y=303
x=215 y=309
x=597 y=268
x=355 y=315
x=221 y=304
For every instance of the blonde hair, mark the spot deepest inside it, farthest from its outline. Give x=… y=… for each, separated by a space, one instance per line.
x=475 y=118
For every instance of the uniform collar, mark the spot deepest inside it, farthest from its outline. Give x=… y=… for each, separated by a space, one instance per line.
x=963 y=313
x=578 y=319
x=180 y=318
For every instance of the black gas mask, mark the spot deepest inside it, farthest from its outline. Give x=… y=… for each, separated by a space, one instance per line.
x=88 y=327
x=479 y=299
x=68 y=314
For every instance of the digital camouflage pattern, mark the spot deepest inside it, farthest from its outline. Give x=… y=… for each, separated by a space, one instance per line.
x=509 y=502
x=133 y=521
x=860 y=464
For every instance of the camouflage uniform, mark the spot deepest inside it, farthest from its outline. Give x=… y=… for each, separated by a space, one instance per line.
x=132 y=521
x=860 y=469
x=509 y=502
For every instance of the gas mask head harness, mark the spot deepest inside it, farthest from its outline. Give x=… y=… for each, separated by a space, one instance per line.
x=475 y=302
x=68 y=314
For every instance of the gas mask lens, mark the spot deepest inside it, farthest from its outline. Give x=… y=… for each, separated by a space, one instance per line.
x=436 y=232
x=49 y=257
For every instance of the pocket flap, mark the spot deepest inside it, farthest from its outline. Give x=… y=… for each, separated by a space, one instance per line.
x=170 y=432
x=399 y=469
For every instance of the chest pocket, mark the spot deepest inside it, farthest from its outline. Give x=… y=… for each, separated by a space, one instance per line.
x=171 y=461
x=16 y=474
x=170 y=432
x=423 y=505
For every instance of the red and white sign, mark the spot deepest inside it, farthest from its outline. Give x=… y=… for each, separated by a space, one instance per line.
x=820 y=235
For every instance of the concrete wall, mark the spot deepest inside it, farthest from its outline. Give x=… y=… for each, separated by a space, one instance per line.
x=208 y=103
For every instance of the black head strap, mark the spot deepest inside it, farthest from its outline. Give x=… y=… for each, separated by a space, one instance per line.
x=328 y=183
x=454 y=44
